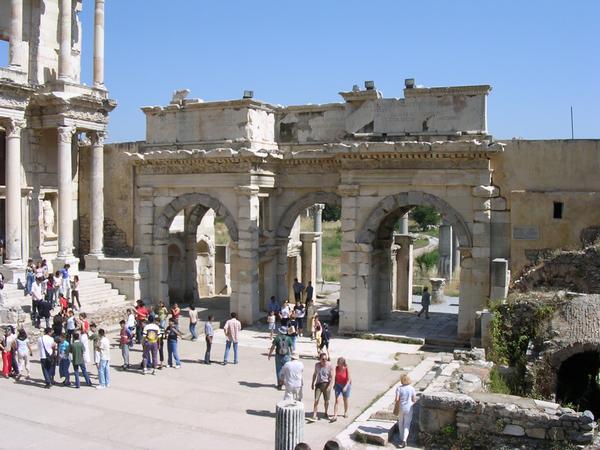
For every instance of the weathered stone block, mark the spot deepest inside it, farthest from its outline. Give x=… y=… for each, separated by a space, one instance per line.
x=536 y=433
x=513 y=430
x=485 y=191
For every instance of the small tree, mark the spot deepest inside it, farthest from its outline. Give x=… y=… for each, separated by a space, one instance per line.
x=425 y=216
x=332 y=213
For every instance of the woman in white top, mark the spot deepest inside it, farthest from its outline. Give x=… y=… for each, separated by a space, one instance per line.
x=406 y=397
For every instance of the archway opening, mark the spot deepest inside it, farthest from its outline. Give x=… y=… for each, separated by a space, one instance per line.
x=309 y=234
x=189 y=266
x=578 y=383
x=411 y=253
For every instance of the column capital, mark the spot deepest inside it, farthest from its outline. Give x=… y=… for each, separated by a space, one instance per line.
x=96 y=137
x=65 y=133
x=13 y=127
x=318 y=207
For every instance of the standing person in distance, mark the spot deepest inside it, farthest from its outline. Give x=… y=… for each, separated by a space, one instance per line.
x=208 y=337
x=232 y=330
x=322 y=380
x=342 y=386
x=125 y=338
x=282 y=346
x=425 y=302
x=298 y=289
x=173 y=334
x=406 y=397
x=24 y=352
x=104 y=352
x=193 y=322
x=78 y=360
x=47 y=349
x=291 y=378
x=151 y=335
x=300 y=313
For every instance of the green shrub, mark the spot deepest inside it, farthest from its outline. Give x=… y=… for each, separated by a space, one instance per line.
x=428 y=261
x=425 y=216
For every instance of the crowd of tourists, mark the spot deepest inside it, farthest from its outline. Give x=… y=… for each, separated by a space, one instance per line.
x=71 y=343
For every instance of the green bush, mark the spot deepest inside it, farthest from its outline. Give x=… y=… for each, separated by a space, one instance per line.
x=428 y=261
x=425 y=216
x=498 y=383
x=332 y=213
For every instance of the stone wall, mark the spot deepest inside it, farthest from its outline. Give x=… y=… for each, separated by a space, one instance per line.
x=456 y=399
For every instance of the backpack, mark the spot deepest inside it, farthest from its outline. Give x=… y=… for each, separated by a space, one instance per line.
x=283 y=348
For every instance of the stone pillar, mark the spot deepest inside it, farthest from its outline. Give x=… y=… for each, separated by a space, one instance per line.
x=404 y=272
x=97 y=195
x=222 y=275
x=455 y=256
x=445 y=252
x=64 y=56
x=16 y=56
x=65 y=193
x=437 y=289
x=500 y=279
x=245 y=291
x=318 y=228
x=289 y=424
x=309 y=257
x=12 y=213
x=99 y=44
x=404 y=224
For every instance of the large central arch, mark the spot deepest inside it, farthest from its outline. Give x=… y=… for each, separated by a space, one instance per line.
x=197 y=205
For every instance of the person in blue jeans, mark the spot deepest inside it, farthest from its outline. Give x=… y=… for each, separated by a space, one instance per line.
x=29 y=276
x=172 y=334
x=63 y=359
x=104 y=353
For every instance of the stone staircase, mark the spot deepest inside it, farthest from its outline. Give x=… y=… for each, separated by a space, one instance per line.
x=94 y=294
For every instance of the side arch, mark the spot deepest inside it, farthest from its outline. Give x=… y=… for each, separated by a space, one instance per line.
x=388 y=211
x=203 y=203
x=295 y=209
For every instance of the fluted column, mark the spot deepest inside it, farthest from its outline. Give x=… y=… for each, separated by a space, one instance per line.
x=64 y=56
x=318 y=228
x=15 y=51
x=13 y=192
x=65 y=192
x=97 y=194
x=289 y=424
x=99 y=44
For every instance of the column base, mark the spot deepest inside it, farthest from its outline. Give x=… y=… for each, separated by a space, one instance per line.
x=13 y=272
x=92 y=262
x=59 y=262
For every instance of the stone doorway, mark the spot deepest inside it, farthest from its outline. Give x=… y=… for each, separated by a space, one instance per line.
x=578 y=382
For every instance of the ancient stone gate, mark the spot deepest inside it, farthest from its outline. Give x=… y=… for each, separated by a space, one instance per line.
x=259 y=195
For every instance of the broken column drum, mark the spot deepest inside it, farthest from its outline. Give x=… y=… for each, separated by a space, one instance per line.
x=289 y=424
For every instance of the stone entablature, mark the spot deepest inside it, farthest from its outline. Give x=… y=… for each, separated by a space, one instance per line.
x=449 y=112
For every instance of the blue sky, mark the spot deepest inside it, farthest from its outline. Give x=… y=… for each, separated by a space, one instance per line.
x=541 y=57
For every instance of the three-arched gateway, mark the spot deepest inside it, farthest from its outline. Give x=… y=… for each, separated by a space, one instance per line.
x=259 y=196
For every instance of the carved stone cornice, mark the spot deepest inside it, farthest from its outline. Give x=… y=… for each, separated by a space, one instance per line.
x=248 y=190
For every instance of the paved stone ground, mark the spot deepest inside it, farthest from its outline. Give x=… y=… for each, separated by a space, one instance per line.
x=441 y=325
x=197 y=406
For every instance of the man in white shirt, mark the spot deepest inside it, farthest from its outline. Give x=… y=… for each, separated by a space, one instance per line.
x=232 y=330
x=104 y=369
x=37 y=293
x=291 y=377
x=47 y=349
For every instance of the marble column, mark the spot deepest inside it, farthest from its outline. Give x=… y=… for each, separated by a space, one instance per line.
x=15 y=51
x=97 y=194
x=99 y=44
x=13 y=214
x=404 y=274
x=404 y=224
x=309 y=247
x=65 y=38
x=445 y=252
x=65 y=193
x=318 y=228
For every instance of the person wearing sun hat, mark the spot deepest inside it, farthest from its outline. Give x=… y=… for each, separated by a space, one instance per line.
x=282 y=346
x=291 y=378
